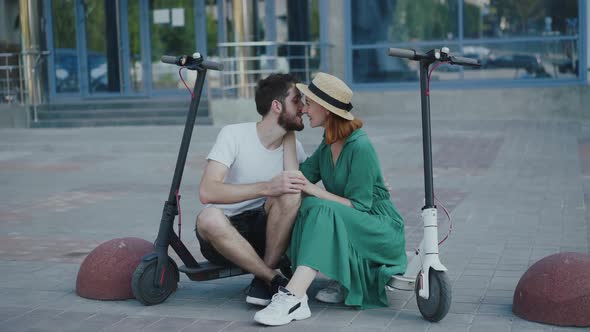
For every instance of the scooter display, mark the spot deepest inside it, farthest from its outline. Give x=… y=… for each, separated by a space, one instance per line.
x=425 y=274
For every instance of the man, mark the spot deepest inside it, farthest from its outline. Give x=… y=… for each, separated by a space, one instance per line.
x=251 y=201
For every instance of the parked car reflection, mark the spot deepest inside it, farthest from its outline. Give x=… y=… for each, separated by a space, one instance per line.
x=66 y=71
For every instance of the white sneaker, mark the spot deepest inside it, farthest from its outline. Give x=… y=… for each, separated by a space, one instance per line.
x=283 y=308
x=334 y=293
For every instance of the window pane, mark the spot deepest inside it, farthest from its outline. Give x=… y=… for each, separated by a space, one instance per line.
x=64 y=41
x=505 y=18
x=100 y=44
x=386 y=21
x=172 y=29
x=530 y=60
x=375 y=66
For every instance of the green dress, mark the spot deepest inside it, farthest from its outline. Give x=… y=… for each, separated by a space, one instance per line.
x=360 y=247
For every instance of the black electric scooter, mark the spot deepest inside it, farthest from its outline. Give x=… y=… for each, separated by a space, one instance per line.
x=425 y=274
x=157 y=275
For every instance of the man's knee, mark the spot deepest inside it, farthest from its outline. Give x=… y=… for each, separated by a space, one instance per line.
x=286 y=202
x=212 y=223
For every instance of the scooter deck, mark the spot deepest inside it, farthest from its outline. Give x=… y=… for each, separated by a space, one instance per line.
x=208 y=271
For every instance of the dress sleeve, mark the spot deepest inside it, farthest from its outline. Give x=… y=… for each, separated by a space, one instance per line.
x=363 y=174
x=311 y=166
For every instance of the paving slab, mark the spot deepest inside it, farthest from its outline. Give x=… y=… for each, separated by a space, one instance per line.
x=518 y=190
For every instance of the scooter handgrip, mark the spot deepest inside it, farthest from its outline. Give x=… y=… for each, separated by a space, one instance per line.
x=402 y=53
x=212 y=65
x=459 y=60
x=173 y=60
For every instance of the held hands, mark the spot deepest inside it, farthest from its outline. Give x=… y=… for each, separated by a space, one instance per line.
x=287 y=182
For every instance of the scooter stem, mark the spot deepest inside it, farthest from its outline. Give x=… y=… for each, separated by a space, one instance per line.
x=426 y=136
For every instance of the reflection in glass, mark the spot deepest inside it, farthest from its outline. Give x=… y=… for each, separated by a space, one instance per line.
x=504 y=18
x=64 y=41
x=102 y=44
x=172 y=29
x=531 y=60
x=375 y=66
x=386 y=21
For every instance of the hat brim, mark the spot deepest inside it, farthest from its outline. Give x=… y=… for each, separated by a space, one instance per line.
x=340 y=112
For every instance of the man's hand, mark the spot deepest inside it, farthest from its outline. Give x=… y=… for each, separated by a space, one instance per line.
x=288 y=182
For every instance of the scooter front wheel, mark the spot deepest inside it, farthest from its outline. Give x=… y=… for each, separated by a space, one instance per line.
x=438 y=303
x=143 y=283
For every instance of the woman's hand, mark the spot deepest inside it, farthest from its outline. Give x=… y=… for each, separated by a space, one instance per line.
x=309 y=188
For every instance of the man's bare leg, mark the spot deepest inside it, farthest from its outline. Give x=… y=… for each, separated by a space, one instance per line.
x=214 y=227
x=281 y=212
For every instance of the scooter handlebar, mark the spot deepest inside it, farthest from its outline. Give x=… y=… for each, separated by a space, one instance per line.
x=212 y=65
x=185 y=60
x=440 y=56
x=459 y=60
x=402 y=53
x=173 y=60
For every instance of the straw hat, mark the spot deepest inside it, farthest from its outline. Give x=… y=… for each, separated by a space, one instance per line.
x=330 y=92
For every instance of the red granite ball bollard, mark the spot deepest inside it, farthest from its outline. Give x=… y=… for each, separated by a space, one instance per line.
x=107 y=271
x=556 y=290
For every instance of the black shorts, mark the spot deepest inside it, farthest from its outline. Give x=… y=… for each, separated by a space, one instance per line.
x=250 y=224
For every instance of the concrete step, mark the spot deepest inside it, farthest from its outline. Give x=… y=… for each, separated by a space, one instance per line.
x=111 y=113
x=133 y=112
x=113 y=122
x=180 y=102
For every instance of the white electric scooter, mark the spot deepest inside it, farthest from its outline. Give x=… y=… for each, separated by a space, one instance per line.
x=425 y=273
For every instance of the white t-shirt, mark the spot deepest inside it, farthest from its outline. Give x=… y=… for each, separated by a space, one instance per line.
x=238 y=147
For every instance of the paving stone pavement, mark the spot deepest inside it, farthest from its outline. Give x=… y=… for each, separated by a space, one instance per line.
x=517 y=187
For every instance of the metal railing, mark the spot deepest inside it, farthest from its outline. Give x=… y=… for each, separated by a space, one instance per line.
x=247 y=62
x=11 y=81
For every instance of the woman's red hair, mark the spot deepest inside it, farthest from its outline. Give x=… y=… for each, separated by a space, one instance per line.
x=338 y=128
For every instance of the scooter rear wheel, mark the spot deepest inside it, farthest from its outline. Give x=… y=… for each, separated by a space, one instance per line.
x=438 y=303
x=143 y=282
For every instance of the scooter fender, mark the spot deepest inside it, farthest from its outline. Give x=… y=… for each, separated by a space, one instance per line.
x=430 y=262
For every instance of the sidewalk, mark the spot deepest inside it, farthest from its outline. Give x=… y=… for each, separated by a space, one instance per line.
x=517 y=187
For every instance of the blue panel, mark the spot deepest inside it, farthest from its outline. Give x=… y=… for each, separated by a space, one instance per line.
x=50 y=47
x=583 y=46
x=201 y=27
x=124 y=47
x=146 y=51
x=347 y=44
x=81 y=46
x=324 y=36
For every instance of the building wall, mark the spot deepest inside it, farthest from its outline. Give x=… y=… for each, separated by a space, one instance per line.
x=493 y=103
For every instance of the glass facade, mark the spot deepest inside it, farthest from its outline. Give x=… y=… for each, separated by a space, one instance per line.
x=515 y=41
x=113 y=47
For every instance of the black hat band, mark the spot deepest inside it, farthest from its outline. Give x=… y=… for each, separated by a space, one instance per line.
x=328 y=99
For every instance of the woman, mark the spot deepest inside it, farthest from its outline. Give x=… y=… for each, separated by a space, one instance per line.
x=350 y=231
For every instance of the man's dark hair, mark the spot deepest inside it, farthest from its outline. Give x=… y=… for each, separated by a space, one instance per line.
x=274 y=87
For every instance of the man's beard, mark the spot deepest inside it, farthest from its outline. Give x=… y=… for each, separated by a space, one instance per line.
x=290 y=123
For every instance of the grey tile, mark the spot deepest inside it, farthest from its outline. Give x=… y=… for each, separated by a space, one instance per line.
x=133 y=323
x=206 y=325
x=378 y=318
x=336 y=317
x=169 y=324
